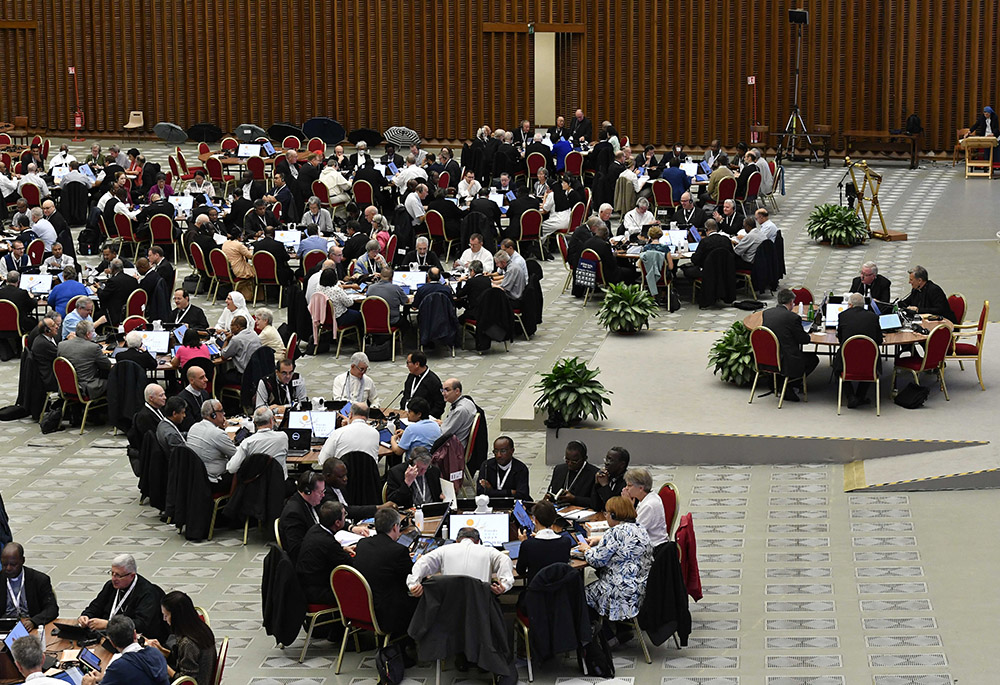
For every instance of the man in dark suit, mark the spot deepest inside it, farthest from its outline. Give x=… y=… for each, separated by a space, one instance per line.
x=390 y=157
x=926 y=296
x=130 y=594
x=259 y=219
x=423 y=257
x=503 y=475
x=451 y=166
x=712 y=241
x=320 y=553
x=688 y=215
x=157 y=297
x=277 y=250
x=115 y=293
x=25 y=303
x=559 y=130
x=487 y=207
x=237 y=213
x=574 y=481
x=29 y=593
x=451 y=214
x=309 y=173
x=422 y=382
x=609 y=263
x=289 y=166
x=377 y=182
x=414 y=482
x=43 y=351
x=580 y=129
x=354 y=247
x=358 y=159
x=290 y=209
x=385 y=564
x=856 y=320
x=194 y=394
x=541 y=148
x=871 y=283
x=522 y=203
x=187 y=313
x=470 y=291
x=148 y=418
x=299 y=514
x=160 y=264
x=787 y=326
x=748 y=169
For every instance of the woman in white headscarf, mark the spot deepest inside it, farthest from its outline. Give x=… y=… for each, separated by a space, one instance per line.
x=236 y=305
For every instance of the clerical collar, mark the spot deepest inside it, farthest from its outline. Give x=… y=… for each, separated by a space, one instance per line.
x=505 y=468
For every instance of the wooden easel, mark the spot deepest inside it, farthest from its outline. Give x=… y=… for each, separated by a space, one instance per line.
x=868 y=204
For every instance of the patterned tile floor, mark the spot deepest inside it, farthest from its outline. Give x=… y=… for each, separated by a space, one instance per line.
x=804 y=585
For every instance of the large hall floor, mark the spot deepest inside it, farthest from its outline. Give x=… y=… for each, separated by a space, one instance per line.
x=804 y=584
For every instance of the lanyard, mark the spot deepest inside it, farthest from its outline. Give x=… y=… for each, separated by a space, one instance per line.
x=567 y=484
x=501 y=481
x=688 y=215
x=182 y=314
x=417 y=382
x=155 y=411
x=312 y=510
x=421 y=485
x=119 y=604
x=340 y=496
x=16 y=599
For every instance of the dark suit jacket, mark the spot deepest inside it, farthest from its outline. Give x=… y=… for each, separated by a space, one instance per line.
x=115 y=294
x=145 y=421
x=698 y=218
x=319 y=554
x=430 y=260
x=353 y=162
x=857 y=321
x=395 y=159
x=282 y=166
x=516 y=484
x=743 y=178
x=237 y=213
x=273 y=247
x=193 y=403
x=295 y=522
x=582 y=485
x=194 y=317
x=454 y=173
x=307 y=175
x=487 y=208
x=142 y=606
x=580 y=129
x=514 y=211
x=930 y=300
x=59 y=223
x=451 y=214
x=471 y=291
x=355 y=246
x=377 y=181
x=544 y=151
x=157 y=296
x=44 y=352
x=42 y=605
x=167 y=273
x=399 y=493
x=708 y=244
x=254 y=224
x=609 y=263
x=878 y=290
x=574 y=246
x=290 y=208
x=152 y=209
x=787 y=326
x=429 y=388
x=385 y=564
x=143 y=359
x=25 y=305
x=555 y=133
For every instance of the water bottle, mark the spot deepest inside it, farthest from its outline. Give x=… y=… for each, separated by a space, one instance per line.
x=418 y=519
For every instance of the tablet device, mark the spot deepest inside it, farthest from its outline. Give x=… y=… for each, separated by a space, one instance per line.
x=90 y=659
x=521 y=514
x=182 y=203
x=890 y=322
x=248 y=150
x=71 y=675
x=157 y=342
x=18 y=631
x=832 y=313
x=513 y=548
x=179 y=334
x=268 y=148
x=299 y=419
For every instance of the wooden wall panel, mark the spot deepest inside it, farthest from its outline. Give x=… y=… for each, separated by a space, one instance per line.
x=662 y=72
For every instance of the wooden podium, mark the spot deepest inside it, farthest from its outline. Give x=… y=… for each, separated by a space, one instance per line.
x=979 y=167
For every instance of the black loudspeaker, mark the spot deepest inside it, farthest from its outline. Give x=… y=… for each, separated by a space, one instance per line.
x=798 y=16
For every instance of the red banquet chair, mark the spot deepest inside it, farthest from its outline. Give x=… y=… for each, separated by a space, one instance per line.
x=265 y=268
x=859 y=354
x=375 y=319
x=936 y=349
x=767 y=359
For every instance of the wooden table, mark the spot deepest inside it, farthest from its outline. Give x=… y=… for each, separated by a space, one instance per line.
x=882 y=141
x=825 y=138
x=829 y=335
x=975 y=167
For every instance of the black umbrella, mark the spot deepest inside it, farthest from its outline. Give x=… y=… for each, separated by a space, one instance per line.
x=326 y=129
x=247 y=133
x=171 y=133
x=369 y=135
x=282 y=130
x=205 y=133
x=401 y=136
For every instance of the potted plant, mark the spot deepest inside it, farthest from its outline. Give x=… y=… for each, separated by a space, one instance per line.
x=570 y=392
x=626 y=308
x=732 y=355
x=837 y=225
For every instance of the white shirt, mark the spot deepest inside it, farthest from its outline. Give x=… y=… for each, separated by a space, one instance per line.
x=465 y=558
x=651 y=517
x=468 y=191
x=58 y=264
x=62 y=159
x=415 y=208
x=766 y=177
x=406 y=173
x=8 y=185
x=637 y=181
x=37 y=180
x=634 y=223
x=353 y=389
x=44 y=230
x=40 y=678
x=312 y=285
x=356 y=436
x=483 y=255
x=264 y=440
x=769 y=229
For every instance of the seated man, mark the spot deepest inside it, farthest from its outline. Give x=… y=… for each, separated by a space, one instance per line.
x=135 y=352
x=208 y=439
x=58 y=260
x=680 y=182
x=319 y=221
x=787 y=326
x=134 y=664
x=115 y=292
x=335 y=475
x=390 y=292
x=415 y=482
x=421 y=258
x=385 y=564
x=687 y=215
x=856 y=320
x=635 y=219
x=299 y=513
x=257 y=220
x=168 y=431
x=84 y=311
x=239 y=347
x=712 y=241
x=471 y=288
x=433 y=285
x=187 y=313
x=465 y=558
x=91 y=364
x=926 y=296
x=720 y=170
x=265 y=439
x=422 y=382
x=509 y=276
x=29 y=592
x=149 y=415
x=44 y=350
x=613 y=273
x=320 y=553
x=356 y=385
x=729 y=221
x=194 y=394
x=476 y=251
x=745 y=246
x=283 y=273
x=462 y=412
x=18 y=296
x=29 y=657
x=871 y=284
x=503 y=475
x=574 y=481
x=126 y=594
x=283 y=388
x=609 y=481
x=354 y=436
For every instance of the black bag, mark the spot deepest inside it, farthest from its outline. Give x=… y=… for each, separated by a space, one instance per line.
x=51 y=421
x=89 y=241
x=912 y=396
x=379 y=352
x=748 y=305
x=190 y=283
x=597 y=659
x=389 y=664
x=913 y=125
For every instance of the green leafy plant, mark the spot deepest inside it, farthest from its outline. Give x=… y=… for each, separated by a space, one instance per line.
x=626 y=308
x=732 y=355
x=570 y=392
x=837 y=225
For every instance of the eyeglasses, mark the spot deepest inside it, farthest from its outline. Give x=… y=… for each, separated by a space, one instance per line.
x=120 y=575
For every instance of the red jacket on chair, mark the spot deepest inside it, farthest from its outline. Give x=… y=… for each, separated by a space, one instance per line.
x=689 y=557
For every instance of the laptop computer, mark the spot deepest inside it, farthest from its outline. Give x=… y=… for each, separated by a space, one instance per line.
x=323 y=424
x=157 y=342
x=299 y=441
x=832 y=313
x=248 y=150
x=494 y=529
x=182 y=203
x=39 y=284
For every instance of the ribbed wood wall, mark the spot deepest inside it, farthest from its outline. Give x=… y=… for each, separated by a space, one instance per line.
x=662 y=72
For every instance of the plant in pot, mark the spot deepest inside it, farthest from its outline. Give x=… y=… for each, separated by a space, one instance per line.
x=837 y=225
x=732 y=356
x=626 y=308
x=570 y=392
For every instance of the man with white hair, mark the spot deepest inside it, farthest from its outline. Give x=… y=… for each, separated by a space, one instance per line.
x=635 y=219
x=209 y=441
x=415 y=204
x=411 y=170
x=265 y=440
x=91 y=364
x=729 y=221
x=266 y=332
x=43 y=228
x=766 y=177
x=31 y=175
x=337 y=186
x=421 y=256
x=128 y=594
x=149 y=416
x=355 y=385
x=856 y=320
x=29 y=657
x=134 y=352
x=361 y=157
